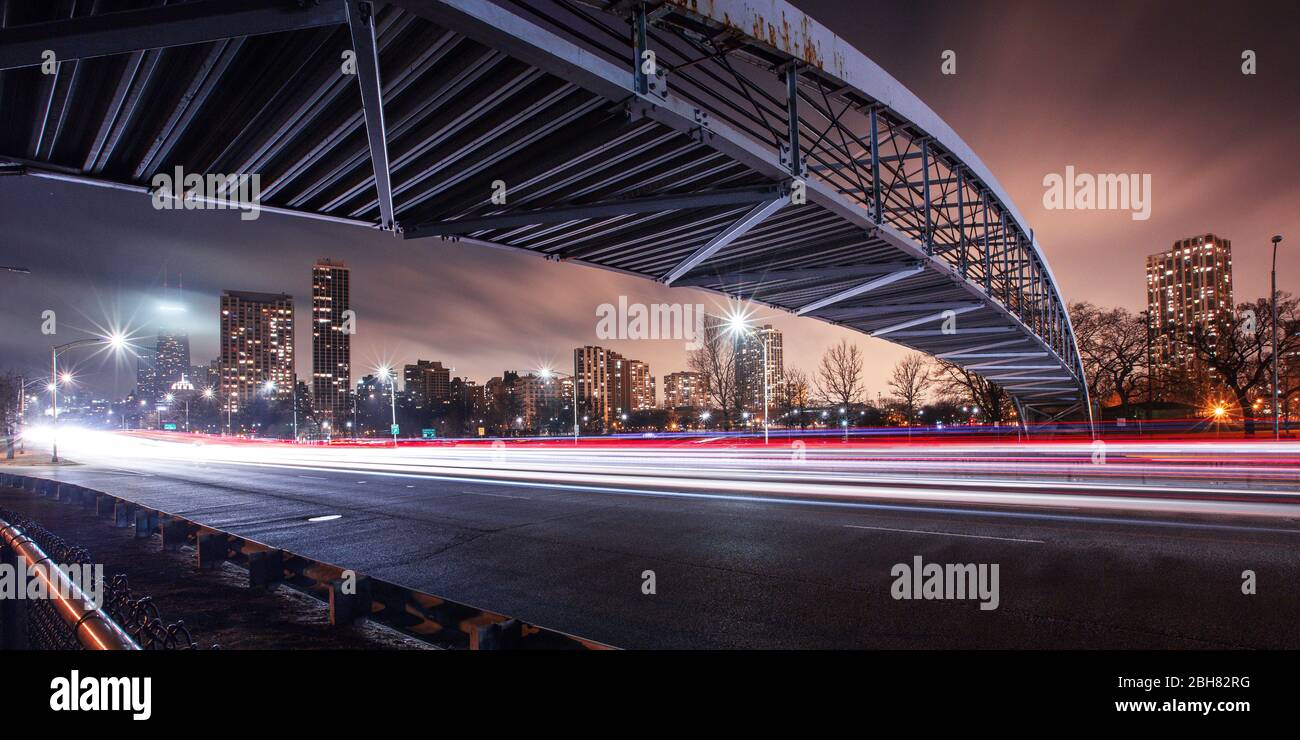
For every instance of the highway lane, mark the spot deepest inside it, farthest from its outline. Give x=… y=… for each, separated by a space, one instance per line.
x=746 y=571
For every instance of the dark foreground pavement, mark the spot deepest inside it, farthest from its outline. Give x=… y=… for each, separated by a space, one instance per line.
x=744 y=574
x=216 y=605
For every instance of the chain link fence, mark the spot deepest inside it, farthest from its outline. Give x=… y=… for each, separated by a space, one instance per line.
x=38 y=624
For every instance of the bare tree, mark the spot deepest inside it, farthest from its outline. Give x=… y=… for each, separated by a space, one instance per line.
x=909 y=381
x=1087 y=320
x=1240 y=357
x=839 y=376
x=792 y=396
x=715 y=361
x=955 y=381
x=1113 y=345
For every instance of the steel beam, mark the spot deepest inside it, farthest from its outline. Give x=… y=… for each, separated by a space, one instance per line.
x=980 y=348
x=728 y=235
x=866 y=287
x=921 y=320
x=603 y=209
x=361 y=22
x=954 y=332
x=156 y=28
x=837 y=273
x=860 y=312
x=1002 y=356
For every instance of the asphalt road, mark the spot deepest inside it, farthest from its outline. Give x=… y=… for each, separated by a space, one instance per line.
x=751 y=572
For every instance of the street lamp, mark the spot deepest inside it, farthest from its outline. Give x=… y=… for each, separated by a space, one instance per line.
x=548 y=374
x=391 y=377
x=114 y=341
x=1277 y=406
x=169 y=399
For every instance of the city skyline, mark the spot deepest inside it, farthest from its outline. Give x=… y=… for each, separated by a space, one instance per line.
x=667 y=325
x=1112 y=103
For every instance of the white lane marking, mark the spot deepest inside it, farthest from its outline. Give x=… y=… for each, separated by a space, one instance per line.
x=312 y=477
x=949 y=534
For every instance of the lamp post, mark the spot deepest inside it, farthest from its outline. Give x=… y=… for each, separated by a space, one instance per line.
x=392 y=398
x=230 y=405
x=548 y=374
x=208 y=394
x=116 y=341
x=270 y=387
x=1277 y=406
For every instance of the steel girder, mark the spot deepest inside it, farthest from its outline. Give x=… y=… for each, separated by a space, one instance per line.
x=904 y=233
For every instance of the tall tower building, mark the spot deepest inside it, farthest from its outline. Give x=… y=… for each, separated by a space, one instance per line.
x=618 y=384
x=1188 y=286
x=750 y=370
x=591 y=373
x=171 y=357
x=641 y=386
x=256 y=346
x=331 y=342
x=146 y=374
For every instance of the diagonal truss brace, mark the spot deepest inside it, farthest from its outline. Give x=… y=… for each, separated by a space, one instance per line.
x=918 y=321
x=361 y=22
x=756 y=216
x=858 y=290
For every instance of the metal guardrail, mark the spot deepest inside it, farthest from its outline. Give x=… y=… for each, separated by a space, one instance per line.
x=67 y=619
x=350 y=595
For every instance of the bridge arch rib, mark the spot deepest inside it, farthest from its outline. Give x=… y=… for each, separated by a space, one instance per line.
x=684 y=174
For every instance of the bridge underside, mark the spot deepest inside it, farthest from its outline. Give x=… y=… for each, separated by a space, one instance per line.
x=457 y=108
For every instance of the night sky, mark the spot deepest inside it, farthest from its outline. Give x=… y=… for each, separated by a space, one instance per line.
x=1107 y=87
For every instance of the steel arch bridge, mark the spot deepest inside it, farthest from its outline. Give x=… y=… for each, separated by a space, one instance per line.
x=732 y=145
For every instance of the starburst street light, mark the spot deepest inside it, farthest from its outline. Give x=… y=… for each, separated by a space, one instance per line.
x=115 y=341
x=547 y=374
x=386 y=373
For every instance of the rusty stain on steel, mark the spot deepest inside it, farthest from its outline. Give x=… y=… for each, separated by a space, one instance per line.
x=794 y=38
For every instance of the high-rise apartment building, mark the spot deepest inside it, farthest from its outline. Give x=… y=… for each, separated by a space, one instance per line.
x=428 y=383
x=1189 y=286
x=641 y=386
x=618 y=384
x=331 y=339
x=685 y=390
x=750 y=372
x=591 y=373
x=256 y=346
x=610 y=385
